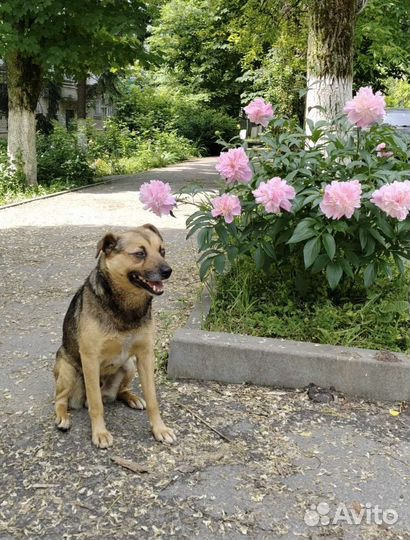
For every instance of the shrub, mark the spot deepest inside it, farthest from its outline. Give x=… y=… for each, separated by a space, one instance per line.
x=61 y=159
x=284 y=222
x=112 y=142
x=398 y=92
x=204 y=126
x=163 y=149
x=146 y=110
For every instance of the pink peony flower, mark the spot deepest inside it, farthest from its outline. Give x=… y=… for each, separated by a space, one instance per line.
x=156 y=197
x=274 y=195
x=394 y=199
x=234 y=166
x=259 y=112
x=227 y=206
x=341 y=199
x=365 y=108
x=382 y=152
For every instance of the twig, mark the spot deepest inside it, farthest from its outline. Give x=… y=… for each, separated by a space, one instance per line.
x=130 y=465
x=43 y=486
x=204 y=421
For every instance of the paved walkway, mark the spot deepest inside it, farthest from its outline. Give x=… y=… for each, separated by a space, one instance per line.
x=285 y=453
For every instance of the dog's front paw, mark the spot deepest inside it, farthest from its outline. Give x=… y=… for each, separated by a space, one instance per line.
x=63 y=422
x=102 y=439
x=132 y=400
x=164 y=434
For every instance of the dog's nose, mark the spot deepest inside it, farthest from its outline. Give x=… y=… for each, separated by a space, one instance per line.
x=165 y=271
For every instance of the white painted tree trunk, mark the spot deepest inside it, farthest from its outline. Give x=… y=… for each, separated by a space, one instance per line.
x=328 y=92
x=330 y=56
x=22 y=143
x=24 y=85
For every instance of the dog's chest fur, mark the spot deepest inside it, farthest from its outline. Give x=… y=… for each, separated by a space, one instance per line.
x=117 y=351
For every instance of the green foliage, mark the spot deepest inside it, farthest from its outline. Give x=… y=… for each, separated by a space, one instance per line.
x=235 y=50
x=67 y=170
x=272 y=40
x=144 y=109
x=161 y=150
x=60 y=158
x=192 y=38
x=118 y=150
x=398 y=93
x=82 y=37
x=382 y=43
x=251 y=302
x=62 y=164
x=303 y=243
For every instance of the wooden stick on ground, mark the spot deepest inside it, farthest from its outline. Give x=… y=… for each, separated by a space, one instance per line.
x=203 y=421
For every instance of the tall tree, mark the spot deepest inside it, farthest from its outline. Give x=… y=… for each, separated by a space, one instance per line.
x=66 y=38
x=330 y=55
x=192 y=38
x=382 y=44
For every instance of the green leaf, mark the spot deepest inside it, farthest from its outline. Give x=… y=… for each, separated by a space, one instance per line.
x=222 y=233
x=204 y=268
x=200 y=223
x=334 y=272
x=329 y=244
x=377 y=236
x=194 y=216
x=384 y=226
x=370 y=246
x=303 y=231
x=340 y=226
x=259 y=258
x=363 y=237
x=219 y=263
x=311 y=251
x=399 y=262
x=320 y=263
x=204 y=238
x=369 y=274
x=347 y=268
x=232 y=252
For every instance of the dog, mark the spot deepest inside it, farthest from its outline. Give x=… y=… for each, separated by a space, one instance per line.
x=108 y=334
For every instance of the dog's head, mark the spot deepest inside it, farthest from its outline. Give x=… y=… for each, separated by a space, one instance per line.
x=136 y=259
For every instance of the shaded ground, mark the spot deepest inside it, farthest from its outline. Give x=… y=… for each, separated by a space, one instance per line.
x=285 y=453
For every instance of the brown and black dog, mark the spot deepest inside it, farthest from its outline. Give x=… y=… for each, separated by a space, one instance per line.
x=108 y=332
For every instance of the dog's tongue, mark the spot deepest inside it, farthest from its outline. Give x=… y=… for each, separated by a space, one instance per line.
x=157 y=286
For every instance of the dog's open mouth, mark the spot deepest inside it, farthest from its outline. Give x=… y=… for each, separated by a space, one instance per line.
x=153 y=287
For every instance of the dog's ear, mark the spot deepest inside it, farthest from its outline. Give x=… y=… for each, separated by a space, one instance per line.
x=107 y=244
x=153 y=229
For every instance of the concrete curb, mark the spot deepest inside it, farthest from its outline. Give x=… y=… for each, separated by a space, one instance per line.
x=56 y=194
x=234 y=358
x=105 y=180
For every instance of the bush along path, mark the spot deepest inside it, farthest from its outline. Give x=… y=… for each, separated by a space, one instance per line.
x=282 y=457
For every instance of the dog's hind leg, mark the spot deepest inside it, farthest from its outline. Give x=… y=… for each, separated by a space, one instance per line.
x=125 y=394
x=68 y=381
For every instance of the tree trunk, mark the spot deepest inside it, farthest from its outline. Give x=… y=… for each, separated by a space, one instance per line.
x=330 y=56
x=82 y=98
x=82 y=112
x=24 y=85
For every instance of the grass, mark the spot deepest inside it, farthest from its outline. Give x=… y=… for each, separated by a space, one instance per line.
x=61 y=173
x=20 y=193
x=253 y=303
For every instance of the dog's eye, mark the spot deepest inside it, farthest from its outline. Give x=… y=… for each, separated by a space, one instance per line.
x=162 y=252
x=139 y=254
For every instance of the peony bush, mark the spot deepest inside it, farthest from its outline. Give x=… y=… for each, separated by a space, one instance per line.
x=334 y=201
